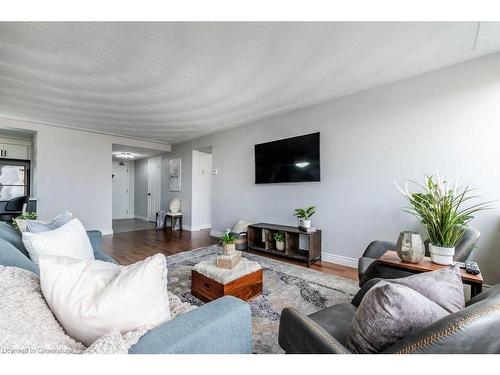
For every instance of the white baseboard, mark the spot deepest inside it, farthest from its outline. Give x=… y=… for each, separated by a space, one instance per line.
x=204 y=226
x=194 y=229
x=106 y=232
x=340 y=259
x=124 y=217
x=216 y=233
x=199 y=227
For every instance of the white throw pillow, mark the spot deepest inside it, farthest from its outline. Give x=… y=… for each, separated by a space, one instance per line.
x=92 y=298
x=21 y=225
x=69 y=240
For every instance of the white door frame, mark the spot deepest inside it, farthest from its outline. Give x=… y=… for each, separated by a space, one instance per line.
x=153 y=208
x=121 y=215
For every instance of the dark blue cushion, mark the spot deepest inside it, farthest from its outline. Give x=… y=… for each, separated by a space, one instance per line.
x=12 y=236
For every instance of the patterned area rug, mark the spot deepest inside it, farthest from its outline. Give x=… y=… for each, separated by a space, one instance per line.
x=285 y=285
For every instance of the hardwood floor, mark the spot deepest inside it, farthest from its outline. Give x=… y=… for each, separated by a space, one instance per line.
x=131 y=247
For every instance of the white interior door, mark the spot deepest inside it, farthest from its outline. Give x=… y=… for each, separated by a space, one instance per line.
x=154 y=187
x=201 y=213
x=121 y=183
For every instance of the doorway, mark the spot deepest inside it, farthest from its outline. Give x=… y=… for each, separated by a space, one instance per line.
x=154 y=187
x=201 y=206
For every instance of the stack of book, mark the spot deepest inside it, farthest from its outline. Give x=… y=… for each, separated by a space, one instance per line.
x=307 y=230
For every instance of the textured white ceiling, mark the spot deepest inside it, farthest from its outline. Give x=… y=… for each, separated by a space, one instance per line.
x=172 y=82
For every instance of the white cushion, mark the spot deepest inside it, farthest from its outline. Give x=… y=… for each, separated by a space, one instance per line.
x=224 y=276
x=240 y=227
x=69 y=240
x=21 y=225
x=92 y=298
x=174 y=206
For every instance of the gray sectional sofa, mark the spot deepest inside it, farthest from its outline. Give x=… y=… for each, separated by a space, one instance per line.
x=222 y=326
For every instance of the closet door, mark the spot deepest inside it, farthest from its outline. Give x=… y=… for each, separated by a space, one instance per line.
x=13 y=151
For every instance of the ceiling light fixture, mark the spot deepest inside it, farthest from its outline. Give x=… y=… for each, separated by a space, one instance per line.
x=124 y=155
x=302 y=164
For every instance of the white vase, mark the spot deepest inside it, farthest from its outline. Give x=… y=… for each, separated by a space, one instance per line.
x=442 y=255
x=280 y=245
x=228 y=249
x=306 y=223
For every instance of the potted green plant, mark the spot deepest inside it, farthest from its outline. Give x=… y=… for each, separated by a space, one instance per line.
x=228 y=242
x=279 y=237
x=304 y=216
x=439 y=206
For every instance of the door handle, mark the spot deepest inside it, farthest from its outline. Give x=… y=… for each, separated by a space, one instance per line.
x=149 y=194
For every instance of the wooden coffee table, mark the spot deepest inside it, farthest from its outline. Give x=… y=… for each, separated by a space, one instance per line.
x=391 y=260
x=209 y=282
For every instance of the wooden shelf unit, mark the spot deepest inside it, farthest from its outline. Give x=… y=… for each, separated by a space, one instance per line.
x=261 y=238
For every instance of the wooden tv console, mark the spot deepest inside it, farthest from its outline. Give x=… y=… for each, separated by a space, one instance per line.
x=260 y=238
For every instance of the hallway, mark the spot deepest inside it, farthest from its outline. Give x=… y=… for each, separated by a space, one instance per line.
x=131 y=225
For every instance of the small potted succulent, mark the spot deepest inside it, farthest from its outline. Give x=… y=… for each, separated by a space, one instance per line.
x=228 y=242
x=279 y=237
x=304 y=216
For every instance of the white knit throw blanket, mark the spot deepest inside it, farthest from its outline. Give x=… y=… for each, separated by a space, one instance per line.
x=27 y=324
x=160 y=219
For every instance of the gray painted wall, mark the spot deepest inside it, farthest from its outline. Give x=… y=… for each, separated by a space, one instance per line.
x=73 y=171
x=446 y=120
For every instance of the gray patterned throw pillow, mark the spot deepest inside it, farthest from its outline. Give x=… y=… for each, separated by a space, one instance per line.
x=394 y=309
x=35 y=226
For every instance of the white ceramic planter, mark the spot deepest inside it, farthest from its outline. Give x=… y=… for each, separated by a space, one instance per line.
x=306 y=223
x=280 y=245
x=442 y=255
x=228 y=249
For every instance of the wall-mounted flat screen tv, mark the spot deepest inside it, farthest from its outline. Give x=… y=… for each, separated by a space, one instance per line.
x=288 y=160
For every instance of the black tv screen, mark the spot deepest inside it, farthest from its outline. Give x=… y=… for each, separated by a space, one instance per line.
x=288 y=160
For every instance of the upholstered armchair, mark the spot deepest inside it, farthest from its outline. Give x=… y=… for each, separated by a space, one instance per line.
x=473 y=329
x=369 y=267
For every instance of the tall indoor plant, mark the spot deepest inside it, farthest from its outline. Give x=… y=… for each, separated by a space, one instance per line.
x=439 y=206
